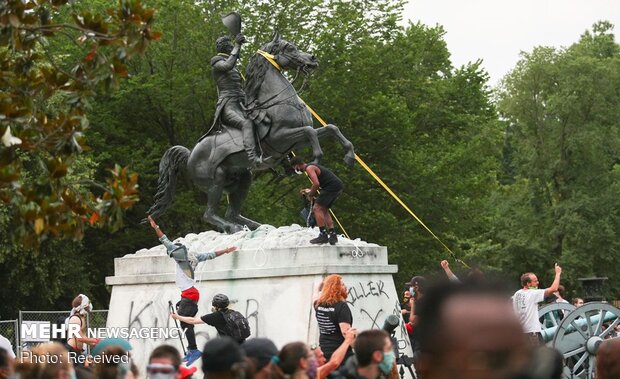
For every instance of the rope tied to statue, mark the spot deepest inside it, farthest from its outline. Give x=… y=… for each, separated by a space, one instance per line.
x=272 y=60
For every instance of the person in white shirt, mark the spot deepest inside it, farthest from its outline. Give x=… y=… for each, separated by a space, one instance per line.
x=525 y=302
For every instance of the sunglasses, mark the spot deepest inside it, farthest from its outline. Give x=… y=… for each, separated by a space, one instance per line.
x=160 y=368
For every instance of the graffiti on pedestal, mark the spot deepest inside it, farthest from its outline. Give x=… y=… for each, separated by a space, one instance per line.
x=369 y=300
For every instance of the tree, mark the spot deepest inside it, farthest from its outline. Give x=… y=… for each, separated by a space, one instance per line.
x=44 y=99
x=438 y=119
x=560 y=203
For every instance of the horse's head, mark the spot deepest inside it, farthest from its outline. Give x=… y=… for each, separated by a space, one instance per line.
x=288 y=56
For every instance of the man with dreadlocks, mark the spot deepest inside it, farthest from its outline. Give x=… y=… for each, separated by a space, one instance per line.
x=187 y=261
x=230 y=96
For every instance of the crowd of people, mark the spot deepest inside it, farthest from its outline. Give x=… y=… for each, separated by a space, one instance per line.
x=477 y=328
x=458 y=329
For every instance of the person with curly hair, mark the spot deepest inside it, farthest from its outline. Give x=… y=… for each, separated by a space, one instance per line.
x=333 y=315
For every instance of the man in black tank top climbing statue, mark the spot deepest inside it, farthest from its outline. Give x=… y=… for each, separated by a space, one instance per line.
x=330 y=187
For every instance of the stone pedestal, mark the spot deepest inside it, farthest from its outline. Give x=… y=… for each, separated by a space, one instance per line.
x=270 y=280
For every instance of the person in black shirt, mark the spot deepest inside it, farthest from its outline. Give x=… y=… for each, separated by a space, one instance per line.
x=331 y=187
x=215 y=318
x=333 y=315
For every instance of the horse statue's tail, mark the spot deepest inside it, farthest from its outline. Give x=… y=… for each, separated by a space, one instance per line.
x=172 y=163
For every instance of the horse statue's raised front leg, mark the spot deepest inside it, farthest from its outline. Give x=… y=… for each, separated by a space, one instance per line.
x=301 y=137
x=334 y=132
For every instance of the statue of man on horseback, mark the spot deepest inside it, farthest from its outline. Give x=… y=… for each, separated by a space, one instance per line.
x=265 y=112
x=230 y=96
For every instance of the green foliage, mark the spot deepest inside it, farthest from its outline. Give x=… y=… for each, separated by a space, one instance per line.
x=559 y=202
x=513 y=192
x=44 y=98
x=436 y=122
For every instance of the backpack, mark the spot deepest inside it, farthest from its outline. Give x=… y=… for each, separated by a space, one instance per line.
x=237 y=326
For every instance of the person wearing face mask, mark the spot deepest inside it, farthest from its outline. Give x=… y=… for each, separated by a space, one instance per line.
x=165 y=363
x=81 y=307
x=295 y=361
x=331 y=187
x=374 y=356
x=525 y=303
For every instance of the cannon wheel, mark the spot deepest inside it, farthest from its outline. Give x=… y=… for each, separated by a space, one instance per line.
x=549 y=314
x=578 y=337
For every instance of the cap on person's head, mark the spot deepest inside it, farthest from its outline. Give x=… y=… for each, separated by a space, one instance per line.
x=416 y=281
x=220 y=354
x=261 y=350
x=108 y=342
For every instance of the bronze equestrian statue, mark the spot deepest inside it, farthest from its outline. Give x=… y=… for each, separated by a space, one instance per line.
x=219 y=163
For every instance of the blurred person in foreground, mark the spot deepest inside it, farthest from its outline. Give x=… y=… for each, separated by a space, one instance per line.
x=165 y=363
x=259 y=353
x=469 y=331
x=608 y=359
x=46 y=361
x=6 y=364
x=222 y=358
x=112 y=360
x=295 y=361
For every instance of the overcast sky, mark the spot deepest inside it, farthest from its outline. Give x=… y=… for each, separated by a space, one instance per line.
x=497 y=30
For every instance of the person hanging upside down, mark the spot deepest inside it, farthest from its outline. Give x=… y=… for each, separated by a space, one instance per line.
x=186 y=264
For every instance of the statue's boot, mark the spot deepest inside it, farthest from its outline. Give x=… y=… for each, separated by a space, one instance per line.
x=250 y=148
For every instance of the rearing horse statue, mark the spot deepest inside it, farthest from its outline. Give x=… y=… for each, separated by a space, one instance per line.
x=218 y=163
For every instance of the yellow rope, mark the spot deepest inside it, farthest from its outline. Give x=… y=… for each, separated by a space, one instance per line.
x=389 y=190
x=271 y=59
